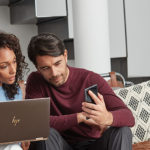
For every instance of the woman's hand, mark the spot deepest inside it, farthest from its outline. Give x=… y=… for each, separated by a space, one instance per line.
x=25 y=145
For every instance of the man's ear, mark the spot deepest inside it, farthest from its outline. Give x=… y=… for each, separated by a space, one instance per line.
x=66 y=55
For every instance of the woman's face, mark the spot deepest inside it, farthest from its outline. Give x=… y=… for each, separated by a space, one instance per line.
x=8 y=66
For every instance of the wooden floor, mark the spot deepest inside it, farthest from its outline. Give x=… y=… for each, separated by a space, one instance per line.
x=141 y=146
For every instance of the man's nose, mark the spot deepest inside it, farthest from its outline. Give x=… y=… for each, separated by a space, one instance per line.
x=54 y=71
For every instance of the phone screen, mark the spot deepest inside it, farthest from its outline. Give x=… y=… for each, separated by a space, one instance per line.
x=94 y=89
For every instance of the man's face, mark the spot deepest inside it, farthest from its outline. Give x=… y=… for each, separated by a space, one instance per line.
x=53 y=69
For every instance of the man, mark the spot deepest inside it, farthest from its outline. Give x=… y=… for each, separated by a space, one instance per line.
x=76 y=124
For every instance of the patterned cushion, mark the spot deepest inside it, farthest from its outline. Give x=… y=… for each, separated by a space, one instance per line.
x=137 y=98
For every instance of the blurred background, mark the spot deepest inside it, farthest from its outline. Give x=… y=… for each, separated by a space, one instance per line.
x=100 y=35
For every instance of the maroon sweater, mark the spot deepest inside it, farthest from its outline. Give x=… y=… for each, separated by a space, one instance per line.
x=66 y=102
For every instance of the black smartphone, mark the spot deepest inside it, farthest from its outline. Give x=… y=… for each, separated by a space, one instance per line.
x=92 y=88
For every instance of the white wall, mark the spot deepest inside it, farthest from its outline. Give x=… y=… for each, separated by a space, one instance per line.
x=23 y=32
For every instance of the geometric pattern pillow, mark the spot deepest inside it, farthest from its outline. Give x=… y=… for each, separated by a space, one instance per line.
x=137 y=99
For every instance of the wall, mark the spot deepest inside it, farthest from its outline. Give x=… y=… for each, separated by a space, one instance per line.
x=23 y=32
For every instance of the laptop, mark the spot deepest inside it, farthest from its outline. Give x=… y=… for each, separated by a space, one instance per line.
x=24 y=120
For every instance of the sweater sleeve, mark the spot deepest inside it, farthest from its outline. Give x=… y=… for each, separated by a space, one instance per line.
x=35 y=89
x=122 y=116
x=63 y=122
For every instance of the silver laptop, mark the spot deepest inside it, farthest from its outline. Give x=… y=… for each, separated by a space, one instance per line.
x=24 y=120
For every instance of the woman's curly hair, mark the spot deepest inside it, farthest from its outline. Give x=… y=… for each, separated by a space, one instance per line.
x=12 y=42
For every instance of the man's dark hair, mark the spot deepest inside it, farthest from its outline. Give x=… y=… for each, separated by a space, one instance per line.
x=45 y=44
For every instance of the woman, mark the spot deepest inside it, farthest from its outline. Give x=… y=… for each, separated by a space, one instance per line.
x=12 y=66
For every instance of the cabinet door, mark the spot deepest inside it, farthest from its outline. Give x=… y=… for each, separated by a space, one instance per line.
x=70 y=19
x=50 y=8
x=138 y=37
x=116 y=28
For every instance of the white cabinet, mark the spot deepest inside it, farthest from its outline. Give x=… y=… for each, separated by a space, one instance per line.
x=129 y=25
x=50 y=8
x=70 y=19
x=138 y=37
x=61 y=25
x=35 y=11
x=116 y=28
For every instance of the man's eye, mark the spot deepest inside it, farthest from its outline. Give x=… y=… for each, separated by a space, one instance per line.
x=44 y=68
x=57 y=64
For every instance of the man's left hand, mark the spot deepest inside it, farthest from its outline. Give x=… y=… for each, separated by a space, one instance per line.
x=97 y=113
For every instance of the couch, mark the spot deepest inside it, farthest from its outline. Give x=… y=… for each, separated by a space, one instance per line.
x=137 y=98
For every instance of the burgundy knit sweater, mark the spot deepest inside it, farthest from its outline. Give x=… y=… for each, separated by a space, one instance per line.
x=66 y=102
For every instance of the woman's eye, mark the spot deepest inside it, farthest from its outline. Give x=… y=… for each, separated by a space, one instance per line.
x=3 y=67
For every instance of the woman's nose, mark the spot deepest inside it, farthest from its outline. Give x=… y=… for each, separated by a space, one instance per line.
x=12 y=69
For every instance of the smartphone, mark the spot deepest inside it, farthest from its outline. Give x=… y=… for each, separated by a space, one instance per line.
x=92 y=88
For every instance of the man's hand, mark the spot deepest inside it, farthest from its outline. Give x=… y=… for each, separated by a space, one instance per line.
x=80 y=117
x=97 y=113
x=25 y=145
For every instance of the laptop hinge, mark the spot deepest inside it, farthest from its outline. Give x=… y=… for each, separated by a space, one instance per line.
x=40 y=138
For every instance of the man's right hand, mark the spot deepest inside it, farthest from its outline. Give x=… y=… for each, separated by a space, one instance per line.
x=82 y=118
